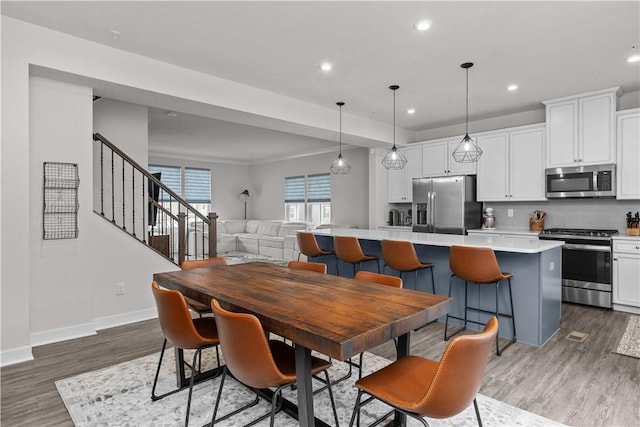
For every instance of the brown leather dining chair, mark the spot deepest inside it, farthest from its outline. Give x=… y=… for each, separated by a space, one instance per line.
x=348 y=250
x=318 y=267
x=184 y=333
x=420 y=387
x=258 y=362
x=189 y=264
x=479 y=266
x=402 y=257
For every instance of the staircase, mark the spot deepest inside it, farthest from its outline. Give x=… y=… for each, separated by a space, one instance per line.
x=139 y=204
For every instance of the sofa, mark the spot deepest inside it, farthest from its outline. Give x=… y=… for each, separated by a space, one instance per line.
x=276 y=239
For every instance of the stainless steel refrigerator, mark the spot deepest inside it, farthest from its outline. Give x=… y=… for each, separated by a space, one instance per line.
x=446 y=205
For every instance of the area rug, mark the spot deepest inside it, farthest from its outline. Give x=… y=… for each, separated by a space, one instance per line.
x=243 y=257
x=120 y=396
x=630 y=342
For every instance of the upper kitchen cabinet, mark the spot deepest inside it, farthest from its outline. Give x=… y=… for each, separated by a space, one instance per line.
x=628 y=172
x=511 y=167
x=400 y=181
x=438 y=161
x=581 y=129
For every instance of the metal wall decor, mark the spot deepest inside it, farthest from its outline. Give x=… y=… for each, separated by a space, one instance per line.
x=467 y=150
x=60 y=201
x=394 y=158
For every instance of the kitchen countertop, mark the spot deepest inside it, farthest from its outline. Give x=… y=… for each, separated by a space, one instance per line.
x=522 y=232
x=626 y=237
x=530 y=246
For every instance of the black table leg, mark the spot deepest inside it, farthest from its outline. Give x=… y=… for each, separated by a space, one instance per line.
x=303 y=383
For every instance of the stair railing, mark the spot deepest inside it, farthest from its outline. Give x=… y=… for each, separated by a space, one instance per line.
x=135 y=201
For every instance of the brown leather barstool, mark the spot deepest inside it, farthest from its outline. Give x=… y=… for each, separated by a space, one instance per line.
x=184 y=333
x=318 y=267
x=190 y=264
x=420 y=387
x=308 y=246
x=348 y=250
x=402 y=257
x=479 y=266
x=257 y=362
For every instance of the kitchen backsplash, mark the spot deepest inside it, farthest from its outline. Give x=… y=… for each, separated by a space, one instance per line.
x=569 y=213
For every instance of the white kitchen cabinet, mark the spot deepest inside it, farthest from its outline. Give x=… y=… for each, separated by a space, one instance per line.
x=511 y=167
x=628 y=147
x=581 y=129
x=437 y=159
x=626 y=275
x=400 y=181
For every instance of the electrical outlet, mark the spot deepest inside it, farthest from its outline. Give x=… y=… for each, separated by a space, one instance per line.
x=510 y=213
x=120 y=288
x=552 y=266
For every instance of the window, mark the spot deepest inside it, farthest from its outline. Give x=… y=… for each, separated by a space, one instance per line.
x=308 y=198
x=191 y=184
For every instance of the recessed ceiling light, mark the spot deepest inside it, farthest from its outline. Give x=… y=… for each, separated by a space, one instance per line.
x=423 y=25
x=411 y=111
x=512 y=87
x=115 y=34
x=326 y=66
x=171 y=114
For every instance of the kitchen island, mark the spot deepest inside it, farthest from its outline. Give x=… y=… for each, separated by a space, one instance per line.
x=536 y=284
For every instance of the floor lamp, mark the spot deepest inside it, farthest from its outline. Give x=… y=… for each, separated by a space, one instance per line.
x=244 y=196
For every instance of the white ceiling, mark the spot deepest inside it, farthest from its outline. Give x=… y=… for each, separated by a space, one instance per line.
x=550 y=49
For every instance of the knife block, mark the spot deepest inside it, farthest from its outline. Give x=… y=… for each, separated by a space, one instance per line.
x=536 y=224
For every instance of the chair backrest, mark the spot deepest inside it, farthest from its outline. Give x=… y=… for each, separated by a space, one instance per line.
x=308 y=244
x=175 y=318
x=477 y=265
x=348 y=249
x=380 y=279
x=246 y=349
x=459 y=374
x=318 y=267
x=400 y=255
x=189 y=264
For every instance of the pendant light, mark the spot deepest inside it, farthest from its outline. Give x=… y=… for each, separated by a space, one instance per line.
x=467 y=150
x=394 y=158
x=340 y=165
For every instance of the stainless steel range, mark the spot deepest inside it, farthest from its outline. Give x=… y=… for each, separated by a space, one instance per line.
x=586 y=264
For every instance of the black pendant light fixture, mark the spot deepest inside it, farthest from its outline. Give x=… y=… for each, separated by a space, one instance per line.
x=394 y=158
x=340 y=164
x=467 y=150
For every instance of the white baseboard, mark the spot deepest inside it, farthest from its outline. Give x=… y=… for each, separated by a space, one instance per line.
x=15 y=355
x=62 y=334
x=125 y=318
x=626 y=308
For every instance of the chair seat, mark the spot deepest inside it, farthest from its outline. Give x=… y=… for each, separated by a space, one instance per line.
x=206 y=327
x=369 y=258
x=486 y=280
x=403 y=383
x=284 y=356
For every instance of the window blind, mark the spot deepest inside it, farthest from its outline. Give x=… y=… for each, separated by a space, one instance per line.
x=170 y=176
x=197 y=185
x=294 y=189
x=319 y=188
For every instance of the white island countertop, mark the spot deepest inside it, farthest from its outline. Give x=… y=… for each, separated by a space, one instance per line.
x=529 y=246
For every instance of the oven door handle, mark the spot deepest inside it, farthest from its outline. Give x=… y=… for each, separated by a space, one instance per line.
x=594 y=248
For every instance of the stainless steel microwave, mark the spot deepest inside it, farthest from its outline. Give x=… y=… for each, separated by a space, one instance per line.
x=581 y=181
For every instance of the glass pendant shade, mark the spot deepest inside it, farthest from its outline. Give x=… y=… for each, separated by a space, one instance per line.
x=394 y=158
x=340 y=165
x=467 y=150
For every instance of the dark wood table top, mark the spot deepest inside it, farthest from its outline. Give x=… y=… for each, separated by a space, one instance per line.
x=336 y=316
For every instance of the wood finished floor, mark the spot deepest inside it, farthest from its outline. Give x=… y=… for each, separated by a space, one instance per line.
x=579 y=384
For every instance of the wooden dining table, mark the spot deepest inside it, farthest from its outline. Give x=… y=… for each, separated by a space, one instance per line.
x=335 y=316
